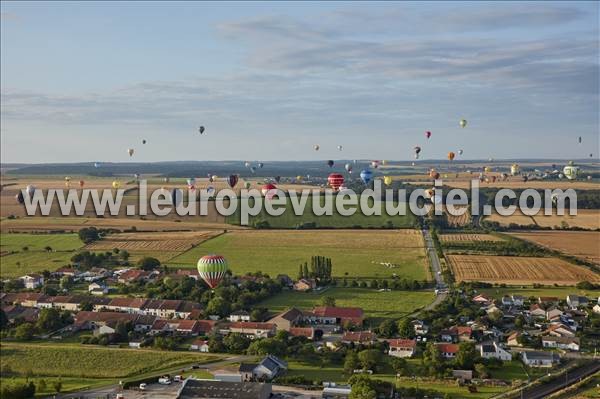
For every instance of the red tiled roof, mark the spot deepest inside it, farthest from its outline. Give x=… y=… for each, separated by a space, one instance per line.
x=133 y=274
x=337 y=312
x=128 y=302
x=462 y=330
x=188 y=325
x=447 y=348
x=250 y=325
x=84 y=316
x=206 y=325
x=402 y=343
x=307 y=332
x=358 y=336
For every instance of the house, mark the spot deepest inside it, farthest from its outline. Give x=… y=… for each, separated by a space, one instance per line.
x=287 y=319
x=187 y=327
x=548 y=300
x=199 y=345
x=513 y=339
x=285 y=280
x=125 y=305
x=462 y=375
x=166 y=308
x=67 y=271
x=507 y=301
x=307 y=332
x=16 y=313
x=95 y=274
x=540 y=358
x=252 y=329
x=518 y=300
x=457 y=334
x=85 y=320
x=565 y=343
x=27 y=299
x=448 y=351
x=305 y=284
x=239 y=315
x=32 y=281
x=269 y=368
x=336 y=315
x=359 y=338
x=494 y=351
x=482 y=299
x=135 y=275
x=246 y=371
x=333 y=391
x=596 y=309
x=575 y=301
x=420 y=327
x=66 y=302
x=553 y=313
x=537 y=311
x=402 y=347
x=191 y=273
x=559 y=330
x=97 y=289
x=206 y=327
x=143 y=323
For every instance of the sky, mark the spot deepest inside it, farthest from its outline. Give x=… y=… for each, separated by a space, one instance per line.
x=86 y=81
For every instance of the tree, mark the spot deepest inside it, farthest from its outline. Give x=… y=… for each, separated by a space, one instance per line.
x=57 y=385
x=89 y=235
x=215 y=344
x=351 y=363
x=49 y=320
x=218 y=306
x=362 y=387
x=236 y=342
x=66 y=282
x=369 y=358
x=519 y=322
x=388 y=328
x=25 y=331
x=124 y=255
x=466 y=356
x=328 y=301
x=48 y=248
x=482 y=370
x=398 y=364
x=405 y=329
x=148 y=263
x=259 y=314
x=3 y=320
x=432 y=358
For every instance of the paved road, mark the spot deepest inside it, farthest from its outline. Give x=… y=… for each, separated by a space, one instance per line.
x=566 y=379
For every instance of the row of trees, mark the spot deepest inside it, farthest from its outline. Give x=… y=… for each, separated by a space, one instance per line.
x=320 y=269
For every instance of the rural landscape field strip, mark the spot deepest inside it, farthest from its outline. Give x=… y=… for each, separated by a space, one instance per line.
x=467 y=237
x=163 y=241
x=518 y=270
x=582 y=244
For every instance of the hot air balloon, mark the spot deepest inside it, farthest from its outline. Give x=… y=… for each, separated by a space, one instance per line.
x=247 y=164
x=460 y=152
x=214 y=178
x=330 y=163
x=96 y=164
x=252 y=169
x=515 y=169
x=417 y=152
x=316 y=147
x=116 y=184
x=451 y=156
x=166 y=179
x=81 y=183
x=210 y=190
x=130 y=151
x=144 y=141
x=277 y=179
x=191 y=183
x=335 y=180
x=463 y=123
x=571 y=171
x=68 y=181
x=591 y=155
x=247 y=185
x=366 y=176
x=579 y=139
x=20 y=198
x=232 y=180
x=428 y=134
x=348 y=168
x=299 y=178
x=589 y=177
x=412 y=164
x=434 y=174
x=212 y=269
x=375 y=164
x=269 y=190
x=201 y=129
x=30 y=190
x=339 y=147
x=387 y=180
x=260 y=165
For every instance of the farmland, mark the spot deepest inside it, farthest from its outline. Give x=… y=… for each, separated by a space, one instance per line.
x=586 y=219
x=74 y=361
x=376 y=304
x=581 y=244
x=468 y=238
x=25 y=253
x=518 y=270
x=354 y=253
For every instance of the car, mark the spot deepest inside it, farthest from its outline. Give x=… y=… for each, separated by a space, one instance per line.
x=164 y=381
x=177 y=378
x=120 y=396
x=143 y=386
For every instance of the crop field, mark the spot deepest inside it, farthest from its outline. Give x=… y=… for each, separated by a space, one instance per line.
x=376 y=304
x=582 y=244
x=165 y=241
x=468 y=238
x=459 y=221
x=518 y=270
x=517 y=218
x=354 y=253
x=25 y=253
x=586 y=219
x=75 y=361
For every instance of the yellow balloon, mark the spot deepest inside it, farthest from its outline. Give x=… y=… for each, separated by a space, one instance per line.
x=387 y=180
x=116 y=184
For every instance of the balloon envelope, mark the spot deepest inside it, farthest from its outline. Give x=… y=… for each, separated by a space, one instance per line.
x=387 y=180
x=232 y=180
x=428 y=134
x=335 y=180
x=463 y=123
x=130 y=151
x=366 y=176
x=201 y=129
x=212 y=269
x=330 y=163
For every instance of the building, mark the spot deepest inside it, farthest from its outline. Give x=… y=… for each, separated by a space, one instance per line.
x=32 y=281
x=359 y=338
x=494 y=351
x=333 y=391
x=200 y=345
x=462 y=375
x=482 y=299
x=560 y=330
x=239 y=315
x=211 y=389
x=307 y=332
x=539 y=358
x=336 y=315
x=269 y=368
x=575 y=301
x=549 y=300
x=135 y=275
x=402 y=347
x=507 y=301
x=518 y=300
x=191 y=273
x=85 y=320
x=537 y=311
x=125 y=305
x=287 y=319
x=513 y=339
x=97 y=289
x=457 y=334
x=596 y=309
x=305 y=284
x=448 y=351
x=252 y=329
x=553 y=313
x=420 y=327
x=565 y=343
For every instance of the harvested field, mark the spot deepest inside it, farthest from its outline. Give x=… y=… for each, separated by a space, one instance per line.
x=585 y=219
x=172 y=242
x=582 y=244
x=517 y=218
x=518 y=270
x=459 y=221
x=468 y=238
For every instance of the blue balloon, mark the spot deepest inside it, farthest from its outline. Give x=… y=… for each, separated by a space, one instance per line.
x=366 y=175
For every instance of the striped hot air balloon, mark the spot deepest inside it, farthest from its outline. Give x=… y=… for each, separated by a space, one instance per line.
x=212 y=269
x=335 y=180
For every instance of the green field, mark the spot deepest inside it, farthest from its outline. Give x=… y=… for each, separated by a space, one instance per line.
x=289 y=220
x=35 y=258
x=68 y=384
x=354 y=253
x=77 y=361
x=378 y=305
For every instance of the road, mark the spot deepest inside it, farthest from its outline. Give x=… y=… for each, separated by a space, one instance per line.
x=571 y=377
x=436 y=269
